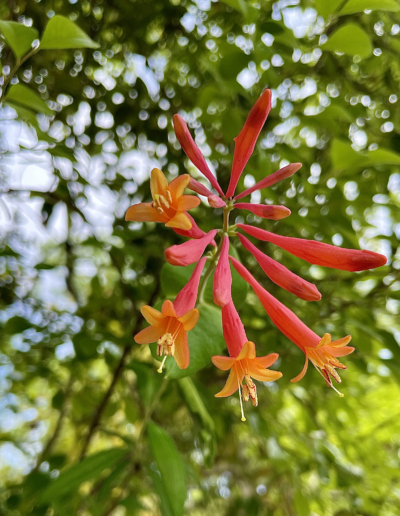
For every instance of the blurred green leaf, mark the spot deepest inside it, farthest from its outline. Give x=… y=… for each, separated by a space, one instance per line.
x=350 y=39
x=88 y=468
x=24 y=96
x=171 y=468
x=356 y=6
x=18 y=36
x=62 y=33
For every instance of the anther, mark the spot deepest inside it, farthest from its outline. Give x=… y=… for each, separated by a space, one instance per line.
x=168 y=195
x=160 y=211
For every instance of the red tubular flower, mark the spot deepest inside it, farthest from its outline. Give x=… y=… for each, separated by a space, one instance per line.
x=169 y=204
x=282 y=276
x=187 y=297
x=318 y=253
x=233 y=329
x=222 y=277
x=169 y=331
x=193 y=152
x=242 y=362
x=274 y=178
x=189 y=252
x=216 y=202
x=198 y=187
x=246 y=140
x=264 y=210
x=322 y=352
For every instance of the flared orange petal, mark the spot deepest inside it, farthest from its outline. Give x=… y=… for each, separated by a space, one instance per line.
x=325 y=341
x=223 y=363
x=158 y=183
x=178 y=185
x=189 y=320
x=231 y=386
x=339 y=352
x=182 y=350
x=188 y=202
x=265 y=375
x=180 y=220
x=248 y=351
x=149 y=335
x=144 y=212
x=168 y=309
x=302 y=373
x=266 y=361
x=341 y=342
x=152 y=316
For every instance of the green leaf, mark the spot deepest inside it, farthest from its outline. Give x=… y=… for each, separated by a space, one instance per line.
x=173 y=279
x=24 y=96
x=327 y=7
x=233 y=63
x=18 y=36
x=350 y=39
x=90 y=467
x=242 y=6
x=345 y=157
x=205 y=340
x=171 y=467
x=356 y=6
x=200 y=414
x=62 y=33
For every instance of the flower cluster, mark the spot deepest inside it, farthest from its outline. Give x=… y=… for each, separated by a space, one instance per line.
x=169 y=327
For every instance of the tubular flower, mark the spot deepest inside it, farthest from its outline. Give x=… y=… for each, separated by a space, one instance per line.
x=247 y=138
x=222 y=277
x=169 y=204
x=321 y=254
x=189 y=252
x=321 y=352
x=242 y=362
x=271 y=180
x=168 y=328
x=280 y=275
x=324 y=358
x=169 y=331
x=193 y=152
x=265 y=211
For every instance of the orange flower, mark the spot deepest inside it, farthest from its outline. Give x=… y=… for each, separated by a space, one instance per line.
x=246 y=366
x=169 y=331
x=169 y=204
x=324 y=358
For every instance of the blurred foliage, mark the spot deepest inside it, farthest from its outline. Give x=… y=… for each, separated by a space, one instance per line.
x=88 y=426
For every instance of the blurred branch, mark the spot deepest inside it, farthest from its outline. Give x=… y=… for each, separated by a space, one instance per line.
x=63 y=412
x=117 y=373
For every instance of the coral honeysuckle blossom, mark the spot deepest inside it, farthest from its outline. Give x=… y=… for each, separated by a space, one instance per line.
x=170 y=206
x=170 y=326
x=242 y=362
x=321 y=351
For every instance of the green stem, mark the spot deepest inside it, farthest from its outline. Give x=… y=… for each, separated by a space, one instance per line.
x=15 y=69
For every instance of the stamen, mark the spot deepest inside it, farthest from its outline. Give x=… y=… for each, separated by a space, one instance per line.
x=159 y=370
x=164 y=202
x=340 y=393
x=168 y=195
x=241 y=403
x=160 y=211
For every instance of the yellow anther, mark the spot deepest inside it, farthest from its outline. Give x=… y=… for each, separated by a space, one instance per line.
x=160 y=211
x=163 y=201
x=159 y=370
x=168 y=195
